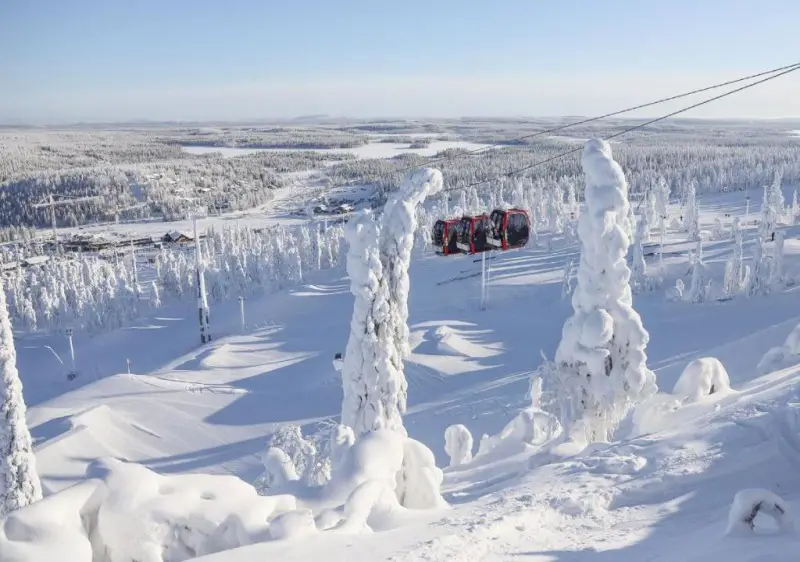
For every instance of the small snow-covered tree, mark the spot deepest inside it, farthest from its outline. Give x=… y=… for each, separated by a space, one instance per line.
x=758 y=279
x=566 y=283
x=639 y=267
x=738 y=256
x=795 y=208
x=155 y=297
x=19 y=482
x=772 y=208
x=601 y=358
x=699 y=290
x=691 y=220
x=458 y=444
x=776 y=264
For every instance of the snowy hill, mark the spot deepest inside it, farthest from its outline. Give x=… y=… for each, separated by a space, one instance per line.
x=661 y=492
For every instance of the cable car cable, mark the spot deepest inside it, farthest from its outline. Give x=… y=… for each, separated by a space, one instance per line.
x=629 y=129
x=781 y=69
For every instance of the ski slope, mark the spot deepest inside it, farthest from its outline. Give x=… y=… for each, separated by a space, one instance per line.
x=661 y=493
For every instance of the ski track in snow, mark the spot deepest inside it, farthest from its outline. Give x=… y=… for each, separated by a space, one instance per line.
x=662 y=495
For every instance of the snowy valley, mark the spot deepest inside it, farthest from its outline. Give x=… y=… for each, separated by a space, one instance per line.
x=624 y=387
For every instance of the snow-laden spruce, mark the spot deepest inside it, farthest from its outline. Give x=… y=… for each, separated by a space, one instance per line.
x=378 y=262
x=398 y=224
x=19 y=482
x=691 y=220
x=371 y=384
x=601 y=359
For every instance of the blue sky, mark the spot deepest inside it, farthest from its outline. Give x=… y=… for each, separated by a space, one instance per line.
x=240 y=59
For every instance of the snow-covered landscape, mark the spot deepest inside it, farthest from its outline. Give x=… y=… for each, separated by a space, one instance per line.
x=409 y=281
x=626 y=386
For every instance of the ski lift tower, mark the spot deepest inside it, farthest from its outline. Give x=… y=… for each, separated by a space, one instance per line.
x=202 y=298
x=52 y=203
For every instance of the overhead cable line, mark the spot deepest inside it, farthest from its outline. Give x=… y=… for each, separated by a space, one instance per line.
x=781 y=69
x=787 y=70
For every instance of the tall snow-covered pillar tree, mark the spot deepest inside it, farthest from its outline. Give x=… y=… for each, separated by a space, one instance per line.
x=601 y=358
x=19 y=482
x=366 y=361
x=396 y=237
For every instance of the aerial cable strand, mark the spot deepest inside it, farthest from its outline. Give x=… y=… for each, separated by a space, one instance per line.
x=781 y=69
x=787 y=70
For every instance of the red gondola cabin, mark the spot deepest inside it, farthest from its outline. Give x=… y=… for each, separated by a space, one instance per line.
x=445 y=237
x=472 y=234
x=510 y=228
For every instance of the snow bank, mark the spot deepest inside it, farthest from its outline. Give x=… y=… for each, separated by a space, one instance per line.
x=136 y=514
x=702 y=377
x=748 y=504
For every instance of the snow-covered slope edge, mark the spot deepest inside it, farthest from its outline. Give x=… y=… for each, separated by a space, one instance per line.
x=663 y=495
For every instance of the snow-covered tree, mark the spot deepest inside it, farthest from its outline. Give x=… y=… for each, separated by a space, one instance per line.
x=776 y=279
x=661 y=197
x=19 y=482
x=601 y=358
x=566 y=283
x=772 y=208
x=396 y=240
x=758 y=279
x=795 y=208
x=367 y=361
x=699 y=290
x=691 y=220
x=639 y=267
x=155 y=297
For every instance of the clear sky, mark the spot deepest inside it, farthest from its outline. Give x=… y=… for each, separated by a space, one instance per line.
x=111 y=60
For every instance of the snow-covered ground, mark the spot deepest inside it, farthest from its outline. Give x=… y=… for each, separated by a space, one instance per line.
x=369 y=150
x=662 y=492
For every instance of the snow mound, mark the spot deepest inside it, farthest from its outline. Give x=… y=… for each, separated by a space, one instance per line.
x=748 y=504
x=702 y=377
x=136 y=514
x=458 y=444
x=452 y=342
x=782 y=356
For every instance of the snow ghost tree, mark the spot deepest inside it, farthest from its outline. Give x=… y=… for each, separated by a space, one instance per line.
x=699 y=290
x=639 y=279
x=691 y=221
x=370 y=382
x=19 y=482
x=795 y=208
x=771 y=208
x=601 y=358
x=662 y=209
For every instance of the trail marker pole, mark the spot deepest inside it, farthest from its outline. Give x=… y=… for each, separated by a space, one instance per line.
x=241 y=311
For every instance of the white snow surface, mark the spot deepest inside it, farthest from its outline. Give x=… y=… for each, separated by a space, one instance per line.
x=661 y=491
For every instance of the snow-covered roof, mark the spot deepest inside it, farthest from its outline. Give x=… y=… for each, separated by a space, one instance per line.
x=36 y=260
